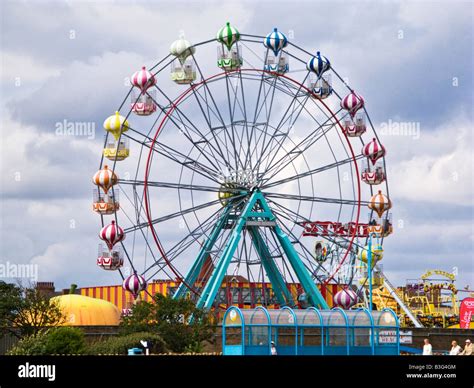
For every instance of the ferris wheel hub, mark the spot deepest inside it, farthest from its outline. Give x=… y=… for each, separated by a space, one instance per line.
x=244 y=178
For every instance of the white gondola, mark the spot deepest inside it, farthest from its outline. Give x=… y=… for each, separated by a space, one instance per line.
x=374 y=175
x=277 y=63
x=183 y=73
x=380 y=226
x=183 y=68
x=142 y=103
x=114 y=150
x=229 y=59
x=321 y=87
x=109 y=260
x=105 y=203
x=354 y=127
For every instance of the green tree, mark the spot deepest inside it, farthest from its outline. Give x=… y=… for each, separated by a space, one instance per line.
x=120 y=345
x=10 y=304
x=179 y=322
x=57 y=340
x=140 y=320
x=65 y=340
x=30 y=345
x=25 y=311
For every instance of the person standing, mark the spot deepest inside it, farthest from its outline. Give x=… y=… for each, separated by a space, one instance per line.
x=427 y=348
x=273 y=350
x=455 y=349
x=468 y=350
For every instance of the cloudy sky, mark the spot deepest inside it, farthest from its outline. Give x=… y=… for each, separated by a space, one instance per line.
x=67 y=60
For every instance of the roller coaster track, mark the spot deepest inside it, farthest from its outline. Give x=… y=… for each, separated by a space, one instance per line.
x=393 y=293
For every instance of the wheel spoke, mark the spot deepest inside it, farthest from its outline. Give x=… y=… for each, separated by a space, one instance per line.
x=174 y=155
x=299 y=149
x=178 y=214
x=188 y=129
x=315 y=199
x=180 y=186
x=278 y=127
x=182 y=245
x=311 y=172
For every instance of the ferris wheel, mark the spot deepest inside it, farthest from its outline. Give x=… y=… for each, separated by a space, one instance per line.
x=260 y=163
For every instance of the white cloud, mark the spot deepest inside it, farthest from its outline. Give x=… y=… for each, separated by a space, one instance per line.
x=71 y=262
x=145 y=28
x=24 y=68
x=437 y=167
x=36 y=163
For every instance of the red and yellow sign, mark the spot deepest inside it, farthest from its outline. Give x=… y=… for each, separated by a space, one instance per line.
x=330 y=228
x=465 y=313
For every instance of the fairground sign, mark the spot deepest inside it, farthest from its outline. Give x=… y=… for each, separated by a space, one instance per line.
x=330 y=228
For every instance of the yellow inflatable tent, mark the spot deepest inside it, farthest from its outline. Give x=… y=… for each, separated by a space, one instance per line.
x=82 y=310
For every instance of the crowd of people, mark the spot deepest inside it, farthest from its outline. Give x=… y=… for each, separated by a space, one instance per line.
x=455 y=350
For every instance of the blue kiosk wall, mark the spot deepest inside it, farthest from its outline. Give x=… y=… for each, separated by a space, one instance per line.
x=310 y=332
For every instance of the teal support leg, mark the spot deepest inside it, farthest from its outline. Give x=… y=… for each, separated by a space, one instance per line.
x=193 y=273
x=306 y=281
x=212 y=286
x=369 y=268
x=256 y=209
x=278 y=283
x=314 y=295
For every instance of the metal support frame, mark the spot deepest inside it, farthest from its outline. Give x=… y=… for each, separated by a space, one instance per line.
x=369 y=264
x=256 y=209
x=193 y=273
x=212 y=286
x=278 y=283
x=314 y=295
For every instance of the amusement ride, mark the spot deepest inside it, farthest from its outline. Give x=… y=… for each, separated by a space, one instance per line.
x=261 y=164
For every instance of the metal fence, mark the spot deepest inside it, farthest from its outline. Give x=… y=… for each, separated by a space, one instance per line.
x=7 y=342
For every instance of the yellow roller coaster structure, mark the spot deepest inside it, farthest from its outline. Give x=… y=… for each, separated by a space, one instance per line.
x=432 y=298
